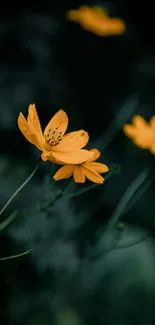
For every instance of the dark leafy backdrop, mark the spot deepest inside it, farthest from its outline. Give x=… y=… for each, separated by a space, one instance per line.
x=76 y=275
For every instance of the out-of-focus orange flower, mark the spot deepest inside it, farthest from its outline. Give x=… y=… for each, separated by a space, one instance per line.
x=56 y=146
x=95 y=20
x=90 y=169
x=141 y=132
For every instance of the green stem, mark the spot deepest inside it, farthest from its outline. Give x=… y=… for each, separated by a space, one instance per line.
x=126 y=198
x=19 y=189
x=59 y=194
x=8 y=220
x=125 y=112
x=81 y=191
x=90 y=187
x=140 y=192
x=16 y=256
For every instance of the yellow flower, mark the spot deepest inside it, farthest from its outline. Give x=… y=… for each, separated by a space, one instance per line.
x=90 y=169
x=141 y=132
x=96 y=20
x=56 y=146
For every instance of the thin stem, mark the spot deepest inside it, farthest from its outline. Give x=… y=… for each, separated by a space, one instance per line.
x=58 y=195
x=126 y=198
x=19 y=189
x=90 y=187
x=16 y=256
x=139 y=193
x=125 y=112
x=8 y=220
x=81 y=191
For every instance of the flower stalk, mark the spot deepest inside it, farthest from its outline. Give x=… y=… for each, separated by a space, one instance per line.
x=19 y=189
x=16 y=256
x=129 y=193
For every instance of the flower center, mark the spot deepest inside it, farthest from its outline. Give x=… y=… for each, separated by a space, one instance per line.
x=53 y=137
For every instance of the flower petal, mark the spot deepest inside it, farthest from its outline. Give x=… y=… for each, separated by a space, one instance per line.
x=72 y=15
x=152 y=149
x=24 y=128
x=74 y=157
x=129 y=130
x=89 y=21
x=96 y=154
x=26 y=131
x=145 y=139
x=96 y=20
x=72 y=141
x=64 y=172
x=92 y=175
x=139 y=122
x=78 y=174
x=59 y=121
x=152 y=122
x=104 y=26
x=79 y=14
x=34 y=124
x=96 y=166
x=109 y=27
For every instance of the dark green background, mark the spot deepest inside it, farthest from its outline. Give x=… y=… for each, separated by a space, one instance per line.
x=77 y=273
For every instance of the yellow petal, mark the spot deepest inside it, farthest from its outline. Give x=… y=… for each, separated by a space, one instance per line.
x=96 y=166
x=110 y=27
x=89 y=21
x=130 y=130
x=139 y=122
x=72 y=141
x=79 y=14
x=152 y=149
x=64 y=172
x=96 y=154
x=72 y=15
x=104 y=27
x=96 y=20
x=26 y=131
x=139 y=143
x=152 y=122
x=24 y=128
x=92 y=175
x=145 y=139
x=59 y=122
x=78 y=173
x=34 y=124
x=74 y=157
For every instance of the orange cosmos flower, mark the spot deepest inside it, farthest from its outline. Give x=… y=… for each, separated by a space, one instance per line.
x=56 y=146
x=90 y=169
x=141 y=132
x=96 y=20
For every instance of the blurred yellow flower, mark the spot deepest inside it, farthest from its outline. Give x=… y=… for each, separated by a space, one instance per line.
x=90 y=169
x=96 y=20
x=141 y=132
x=56 y=146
